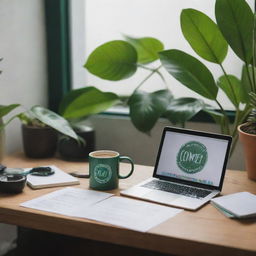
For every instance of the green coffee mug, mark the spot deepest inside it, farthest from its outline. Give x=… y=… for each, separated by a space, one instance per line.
x=104 y=169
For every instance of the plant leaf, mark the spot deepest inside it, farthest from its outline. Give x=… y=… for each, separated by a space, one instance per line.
x=146 y=47
x=218 y=117
x=114 y=60
x=4 y=110
x=203 y=35
x=183 y=109
x=235 y=20
x=190 y=72
x=53 y=120
x=236 y=95
x=245 y=81
x=86 y=101
x=146 y=108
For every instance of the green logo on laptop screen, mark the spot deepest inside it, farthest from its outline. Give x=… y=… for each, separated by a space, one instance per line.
x=192 y=157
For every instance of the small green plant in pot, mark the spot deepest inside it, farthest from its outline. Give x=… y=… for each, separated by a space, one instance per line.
x=76 y=106
x=40 y=128
x=247 y=136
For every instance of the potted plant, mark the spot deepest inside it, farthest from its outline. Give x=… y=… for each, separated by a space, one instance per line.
x=40 y=127
x=75 y=107
x=119 y=59
x=247 y=136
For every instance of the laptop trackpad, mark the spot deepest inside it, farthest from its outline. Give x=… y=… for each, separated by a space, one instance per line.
x=161 y=196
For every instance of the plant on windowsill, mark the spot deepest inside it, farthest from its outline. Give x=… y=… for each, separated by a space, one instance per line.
x=76 y=106
x=117 y=60
x=40 y=127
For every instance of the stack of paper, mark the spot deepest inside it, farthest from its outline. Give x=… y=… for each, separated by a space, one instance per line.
x=103 y=207
x=238 y=205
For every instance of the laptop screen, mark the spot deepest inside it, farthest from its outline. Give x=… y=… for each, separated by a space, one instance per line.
x=193 y=156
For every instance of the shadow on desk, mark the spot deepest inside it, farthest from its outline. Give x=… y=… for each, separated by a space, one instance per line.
x=40 y=243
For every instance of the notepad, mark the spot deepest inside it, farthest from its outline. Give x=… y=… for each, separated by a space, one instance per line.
x=238 y=205
x=59 y=178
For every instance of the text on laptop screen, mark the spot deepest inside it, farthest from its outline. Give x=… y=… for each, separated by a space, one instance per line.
x=194 y=158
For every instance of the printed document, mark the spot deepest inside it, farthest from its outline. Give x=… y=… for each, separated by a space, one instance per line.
x=103 y=207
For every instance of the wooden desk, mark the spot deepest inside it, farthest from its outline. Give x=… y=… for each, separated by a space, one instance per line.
x=204 y=232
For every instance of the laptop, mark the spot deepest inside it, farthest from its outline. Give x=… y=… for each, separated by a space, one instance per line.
x=189 y=169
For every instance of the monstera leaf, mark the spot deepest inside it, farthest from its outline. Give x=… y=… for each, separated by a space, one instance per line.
x=146 y=108
x=183 y=109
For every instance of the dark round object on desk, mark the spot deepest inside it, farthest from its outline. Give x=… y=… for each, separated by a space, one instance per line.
x=39 y=142
x=71 y=150
x=12 y=183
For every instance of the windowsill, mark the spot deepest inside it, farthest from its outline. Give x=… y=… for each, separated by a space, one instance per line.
x=200 y=117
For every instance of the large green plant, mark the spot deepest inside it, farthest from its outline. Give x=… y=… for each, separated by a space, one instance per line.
x=120 y=59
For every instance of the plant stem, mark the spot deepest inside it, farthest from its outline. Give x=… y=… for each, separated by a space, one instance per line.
x=233 y=146
x=226 y=117
x=147 y=77
x=249 y=77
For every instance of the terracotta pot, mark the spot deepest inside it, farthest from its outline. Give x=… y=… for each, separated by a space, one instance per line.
x=249 y=145
x=39 y=142
x=2 y=142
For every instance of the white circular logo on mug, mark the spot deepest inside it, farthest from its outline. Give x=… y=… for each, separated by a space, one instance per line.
x=102 y=173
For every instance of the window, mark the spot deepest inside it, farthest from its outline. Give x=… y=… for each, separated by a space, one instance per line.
x=95 y=22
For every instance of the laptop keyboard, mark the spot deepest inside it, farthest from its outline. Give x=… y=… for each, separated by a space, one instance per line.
x=177 y=189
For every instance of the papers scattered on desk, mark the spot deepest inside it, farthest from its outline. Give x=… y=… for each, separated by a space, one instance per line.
x=59 y=178
x=68 y=201
x=238 y=205
x=104 y=207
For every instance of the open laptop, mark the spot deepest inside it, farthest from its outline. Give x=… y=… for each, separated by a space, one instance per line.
x=189 y=169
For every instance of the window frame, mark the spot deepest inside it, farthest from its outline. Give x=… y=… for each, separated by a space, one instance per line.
x=58 y=50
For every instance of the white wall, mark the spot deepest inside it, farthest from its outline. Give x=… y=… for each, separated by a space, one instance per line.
x=118 y=133
x=23 y=49
x=24 y=76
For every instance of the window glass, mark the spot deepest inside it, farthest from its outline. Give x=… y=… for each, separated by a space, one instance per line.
x=95 y=22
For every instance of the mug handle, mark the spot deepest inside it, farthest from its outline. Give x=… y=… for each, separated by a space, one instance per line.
x=122 y=158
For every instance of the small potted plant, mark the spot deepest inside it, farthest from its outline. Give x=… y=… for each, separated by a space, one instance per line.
x=40 y=128
x=76 y=106
x=247 y=136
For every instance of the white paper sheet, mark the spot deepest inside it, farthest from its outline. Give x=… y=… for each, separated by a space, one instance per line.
x=68 y=201
x=104 y=207
x=130 y=213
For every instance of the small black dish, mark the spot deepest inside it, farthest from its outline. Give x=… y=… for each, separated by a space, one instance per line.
x=12 y=183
